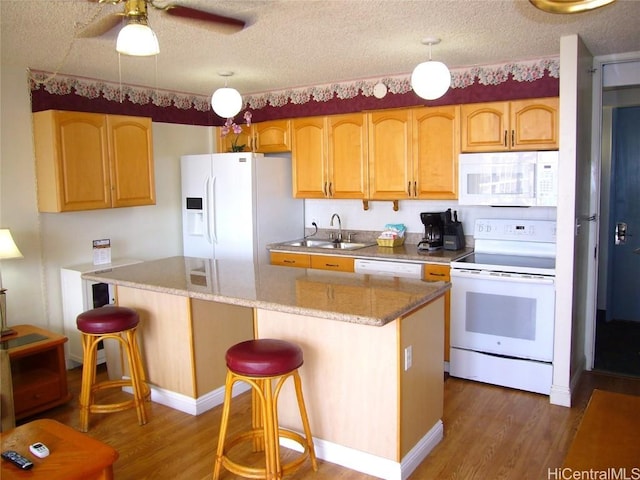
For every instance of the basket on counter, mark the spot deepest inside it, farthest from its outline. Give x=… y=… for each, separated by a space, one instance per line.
x=390 y=242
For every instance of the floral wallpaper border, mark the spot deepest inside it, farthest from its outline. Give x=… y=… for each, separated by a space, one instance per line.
x=492 y=75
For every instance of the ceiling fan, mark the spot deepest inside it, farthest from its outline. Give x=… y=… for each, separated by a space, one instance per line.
x=136 y=11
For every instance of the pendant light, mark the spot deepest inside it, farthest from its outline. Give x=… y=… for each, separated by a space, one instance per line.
x=226 y=102
x=136 y=37
x=569 y=6
x=431 y=79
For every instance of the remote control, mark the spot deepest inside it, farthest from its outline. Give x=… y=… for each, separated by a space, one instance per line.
x=17 y=459
x=39 y=449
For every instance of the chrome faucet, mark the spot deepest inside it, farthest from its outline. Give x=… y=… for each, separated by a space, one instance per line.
x=335 y=215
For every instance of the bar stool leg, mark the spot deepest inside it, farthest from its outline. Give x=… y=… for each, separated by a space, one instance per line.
x=88 y=379
x=305 y=420
x=136 y=381
x=226 y=408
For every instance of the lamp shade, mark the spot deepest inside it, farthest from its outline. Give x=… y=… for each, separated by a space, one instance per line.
x=226 y=102
x=137 y=39
x=8 y=248
x=431 y=80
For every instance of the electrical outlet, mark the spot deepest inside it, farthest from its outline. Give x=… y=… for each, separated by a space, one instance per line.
x=408 y=357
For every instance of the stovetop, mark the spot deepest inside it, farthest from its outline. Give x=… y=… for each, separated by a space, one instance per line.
x=512 y=246
x=507 y=263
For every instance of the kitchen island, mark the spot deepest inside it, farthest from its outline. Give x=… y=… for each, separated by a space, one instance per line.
x=373 y=346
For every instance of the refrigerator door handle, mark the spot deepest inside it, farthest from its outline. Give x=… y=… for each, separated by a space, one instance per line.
x=211 y=205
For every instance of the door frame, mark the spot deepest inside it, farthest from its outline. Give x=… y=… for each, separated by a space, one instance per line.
x=591 y=304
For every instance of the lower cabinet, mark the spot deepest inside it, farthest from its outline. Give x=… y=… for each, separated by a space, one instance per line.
x=321 y=262
x=441 y=273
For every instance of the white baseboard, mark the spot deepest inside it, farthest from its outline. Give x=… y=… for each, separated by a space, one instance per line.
x=373 y=465
x=190 y=405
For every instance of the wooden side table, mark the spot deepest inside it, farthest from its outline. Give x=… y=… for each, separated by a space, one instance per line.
x=38 y=372
x=73 y=455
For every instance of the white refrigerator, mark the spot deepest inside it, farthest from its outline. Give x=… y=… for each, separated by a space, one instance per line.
x=234 y=204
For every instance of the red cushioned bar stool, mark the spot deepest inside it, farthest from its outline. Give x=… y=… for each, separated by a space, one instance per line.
x=260 y=363
x=120 y=324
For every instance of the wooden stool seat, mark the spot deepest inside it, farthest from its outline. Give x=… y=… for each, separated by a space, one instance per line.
x=120 y=324
x=260 y=363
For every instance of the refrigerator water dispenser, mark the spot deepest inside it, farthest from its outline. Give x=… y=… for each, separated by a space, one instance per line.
x=195 y=216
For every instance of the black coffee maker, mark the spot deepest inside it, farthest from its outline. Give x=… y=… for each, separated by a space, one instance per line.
x=433 y=230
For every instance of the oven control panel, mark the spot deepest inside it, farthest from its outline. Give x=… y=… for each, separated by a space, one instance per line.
x=518 y=230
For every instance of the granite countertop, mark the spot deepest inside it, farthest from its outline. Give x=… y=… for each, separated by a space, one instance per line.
x=348 y=297
x=406 y=252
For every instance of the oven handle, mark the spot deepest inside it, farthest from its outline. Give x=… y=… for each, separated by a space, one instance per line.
x=505 y=277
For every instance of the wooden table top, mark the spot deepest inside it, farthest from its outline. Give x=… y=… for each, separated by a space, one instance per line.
x=609 y=434
x=50 y=339
x=73 y=455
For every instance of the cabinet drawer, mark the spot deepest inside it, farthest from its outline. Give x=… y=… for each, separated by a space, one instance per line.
x=323 y=262
x=436 y=273
x=40 y=388
x=290 y=259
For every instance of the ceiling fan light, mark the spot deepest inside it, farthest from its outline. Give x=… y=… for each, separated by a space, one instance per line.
x=226 y=102
x=137 y=39
x=431 y=80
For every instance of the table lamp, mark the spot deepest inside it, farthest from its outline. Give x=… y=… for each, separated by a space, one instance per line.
x=8 y=249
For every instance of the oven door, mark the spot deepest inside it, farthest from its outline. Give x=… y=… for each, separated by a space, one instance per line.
x=503 y=314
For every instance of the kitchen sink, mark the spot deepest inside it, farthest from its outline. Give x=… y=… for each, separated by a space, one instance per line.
x=328 y=244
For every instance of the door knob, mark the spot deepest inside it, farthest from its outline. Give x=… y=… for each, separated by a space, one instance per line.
x=621 y=233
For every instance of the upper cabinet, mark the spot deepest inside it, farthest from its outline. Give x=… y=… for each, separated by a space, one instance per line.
x=273 y=136
x=389 y=154
x=87 y=161
x=265 y=137
x=413 y=154
x=517 y=125
x=329 y=157
x=436 y=145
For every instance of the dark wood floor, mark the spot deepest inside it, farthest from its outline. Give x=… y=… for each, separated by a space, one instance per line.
x=490 y=433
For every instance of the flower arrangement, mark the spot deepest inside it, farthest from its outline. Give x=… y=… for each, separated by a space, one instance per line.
x=231 y=126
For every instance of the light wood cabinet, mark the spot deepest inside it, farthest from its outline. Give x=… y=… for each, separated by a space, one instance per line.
x=337 y=263
x=436 y=146
x=389 y=154
x=308 y=158
x=442 y=273
x=530 y=124
x=329 y=157
x=321 y=262
x=272 y=137
x=291 y=259
x=264 y=137
x=87 y=161
x=413 y=154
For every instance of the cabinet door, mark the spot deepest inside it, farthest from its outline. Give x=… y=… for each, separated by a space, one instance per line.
x=435 y=152
x=325 y=262
x=347 y=148
x=290 y=259
x=273 y=136
x=131 y=152
x=484 y=127
x=441 y=273
x=72 y=161
x=389 y=154
x=534 y=124
x=309 y=158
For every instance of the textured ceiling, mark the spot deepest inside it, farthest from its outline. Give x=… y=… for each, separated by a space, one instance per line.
x=295 y=43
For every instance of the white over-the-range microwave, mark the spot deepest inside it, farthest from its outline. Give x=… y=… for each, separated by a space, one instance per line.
x=511 y=179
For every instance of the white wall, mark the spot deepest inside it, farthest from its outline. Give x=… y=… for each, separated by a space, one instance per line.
x=50 y=241
x=354 y=217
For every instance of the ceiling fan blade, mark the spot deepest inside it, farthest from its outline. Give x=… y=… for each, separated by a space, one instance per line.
x=229 y=24
x=100 y=26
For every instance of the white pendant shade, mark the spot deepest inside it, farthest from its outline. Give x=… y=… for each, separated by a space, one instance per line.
x=431 y=80
x=226 y=102
x=137 y=39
